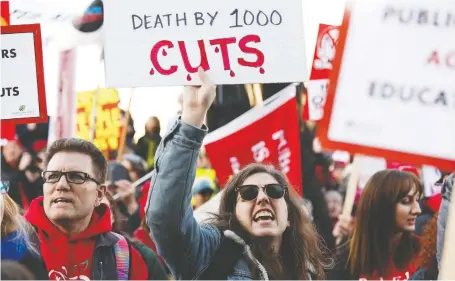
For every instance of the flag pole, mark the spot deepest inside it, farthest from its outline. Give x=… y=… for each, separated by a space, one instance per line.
x=125 y=126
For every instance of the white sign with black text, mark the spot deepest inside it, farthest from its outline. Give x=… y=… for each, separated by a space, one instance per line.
x=19 y=96
x=395 y=87
x=236 y=42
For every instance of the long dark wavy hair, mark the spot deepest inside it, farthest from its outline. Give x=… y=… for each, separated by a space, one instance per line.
x=301 y=246
x=375 y=225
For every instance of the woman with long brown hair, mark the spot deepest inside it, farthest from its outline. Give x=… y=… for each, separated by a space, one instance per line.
x=261 y=231
x=300 y=251
x=382 y=244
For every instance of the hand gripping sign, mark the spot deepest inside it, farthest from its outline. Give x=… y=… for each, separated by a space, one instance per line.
x=392 y=93
x=23 y=98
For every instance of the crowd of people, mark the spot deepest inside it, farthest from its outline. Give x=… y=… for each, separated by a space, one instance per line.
x=68 y=213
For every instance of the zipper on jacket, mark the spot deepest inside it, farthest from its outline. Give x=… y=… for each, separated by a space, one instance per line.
x=100 y=266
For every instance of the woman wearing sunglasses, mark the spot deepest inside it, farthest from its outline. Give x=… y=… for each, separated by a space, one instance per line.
x=261 y=230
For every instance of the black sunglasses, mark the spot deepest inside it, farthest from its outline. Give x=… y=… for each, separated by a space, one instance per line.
x=71 y=177
x=250 y=192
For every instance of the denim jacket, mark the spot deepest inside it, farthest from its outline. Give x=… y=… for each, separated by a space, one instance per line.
x=186 y=246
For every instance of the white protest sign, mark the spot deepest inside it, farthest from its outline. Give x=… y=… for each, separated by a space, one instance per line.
x=23 y=96
x=236 y=42
x=393 y=95
x=317 y=94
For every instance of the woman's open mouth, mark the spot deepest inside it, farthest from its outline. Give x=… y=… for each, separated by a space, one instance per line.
x=264 y=216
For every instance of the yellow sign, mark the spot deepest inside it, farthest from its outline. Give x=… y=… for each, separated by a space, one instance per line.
x=208 y=174
x=108 y=124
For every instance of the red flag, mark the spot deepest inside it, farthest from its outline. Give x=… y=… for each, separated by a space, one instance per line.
x=267 y=134
x=4 y=11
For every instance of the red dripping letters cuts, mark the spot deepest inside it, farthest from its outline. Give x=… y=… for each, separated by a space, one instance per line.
x=249 y=45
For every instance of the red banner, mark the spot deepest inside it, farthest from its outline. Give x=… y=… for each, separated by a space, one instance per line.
x=4 y=12
x=267 y=134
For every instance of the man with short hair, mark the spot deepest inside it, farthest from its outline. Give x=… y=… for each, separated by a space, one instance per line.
x=74 y=227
